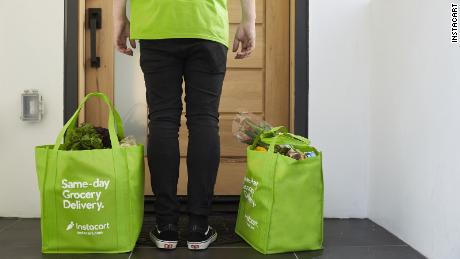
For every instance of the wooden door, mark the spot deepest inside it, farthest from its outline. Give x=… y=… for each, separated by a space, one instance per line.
x=259 y=84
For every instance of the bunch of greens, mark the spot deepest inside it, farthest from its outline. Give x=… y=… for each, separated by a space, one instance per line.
x=86 y=137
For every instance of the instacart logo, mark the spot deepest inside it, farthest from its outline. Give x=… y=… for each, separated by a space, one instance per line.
x=88 y=229
x=70 y=226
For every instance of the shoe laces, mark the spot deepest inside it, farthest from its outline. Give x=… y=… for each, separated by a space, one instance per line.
x=196 y=228
x=168 y=227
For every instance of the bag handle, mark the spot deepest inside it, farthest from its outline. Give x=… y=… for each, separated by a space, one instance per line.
x=299 y=138
x=273 y=131
x=277 y=132
x=114 y=119
x=118 y=120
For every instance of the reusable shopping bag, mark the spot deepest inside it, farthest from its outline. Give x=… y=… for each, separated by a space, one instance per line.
x=92 y=201
x=281 y=204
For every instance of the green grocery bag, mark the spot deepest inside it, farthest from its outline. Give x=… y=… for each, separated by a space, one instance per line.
x=281 y=204
x=92 y=201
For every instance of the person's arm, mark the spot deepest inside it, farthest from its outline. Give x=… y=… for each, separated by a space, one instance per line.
x=245 y=35
x=121 y=28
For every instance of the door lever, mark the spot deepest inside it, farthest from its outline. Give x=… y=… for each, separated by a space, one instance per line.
x=95 y=23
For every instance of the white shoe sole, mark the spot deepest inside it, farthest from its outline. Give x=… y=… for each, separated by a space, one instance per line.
x=162 y=244
x=203 y=244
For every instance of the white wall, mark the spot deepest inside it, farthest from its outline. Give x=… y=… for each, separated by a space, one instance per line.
x=415 y=125
x=31 y=57
x=339 y=101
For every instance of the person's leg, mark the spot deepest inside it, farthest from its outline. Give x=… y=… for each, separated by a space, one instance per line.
x=162 y=66
x=204 y=75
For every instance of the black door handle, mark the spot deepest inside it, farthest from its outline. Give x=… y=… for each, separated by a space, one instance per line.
x=95 y=22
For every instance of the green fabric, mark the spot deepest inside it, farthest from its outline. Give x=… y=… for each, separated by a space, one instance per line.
x=281 y=205
x=166 y=19
x=92 y=201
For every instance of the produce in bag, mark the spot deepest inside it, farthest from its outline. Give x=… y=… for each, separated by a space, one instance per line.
x=246 y=127
x=87 y=137
x=129 y=141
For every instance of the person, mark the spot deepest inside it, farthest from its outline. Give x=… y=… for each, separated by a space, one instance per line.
x=183 y=40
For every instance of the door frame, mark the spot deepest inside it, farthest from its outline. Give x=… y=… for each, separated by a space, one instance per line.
x=301 y=69
x=299 y=84
x=70 y=58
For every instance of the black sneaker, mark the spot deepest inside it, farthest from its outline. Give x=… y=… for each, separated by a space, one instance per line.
x=200 y=238
x=165 y=237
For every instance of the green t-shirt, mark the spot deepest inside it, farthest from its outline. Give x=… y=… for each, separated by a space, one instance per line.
x=166 y=19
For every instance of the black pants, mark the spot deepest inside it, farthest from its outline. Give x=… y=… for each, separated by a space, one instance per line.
x=166 y=64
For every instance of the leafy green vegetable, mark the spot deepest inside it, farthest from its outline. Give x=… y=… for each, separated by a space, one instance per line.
x=84 y=137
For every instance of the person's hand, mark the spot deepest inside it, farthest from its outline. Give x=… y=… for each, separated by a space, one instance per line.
x=121 y=34
x=245 y=40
